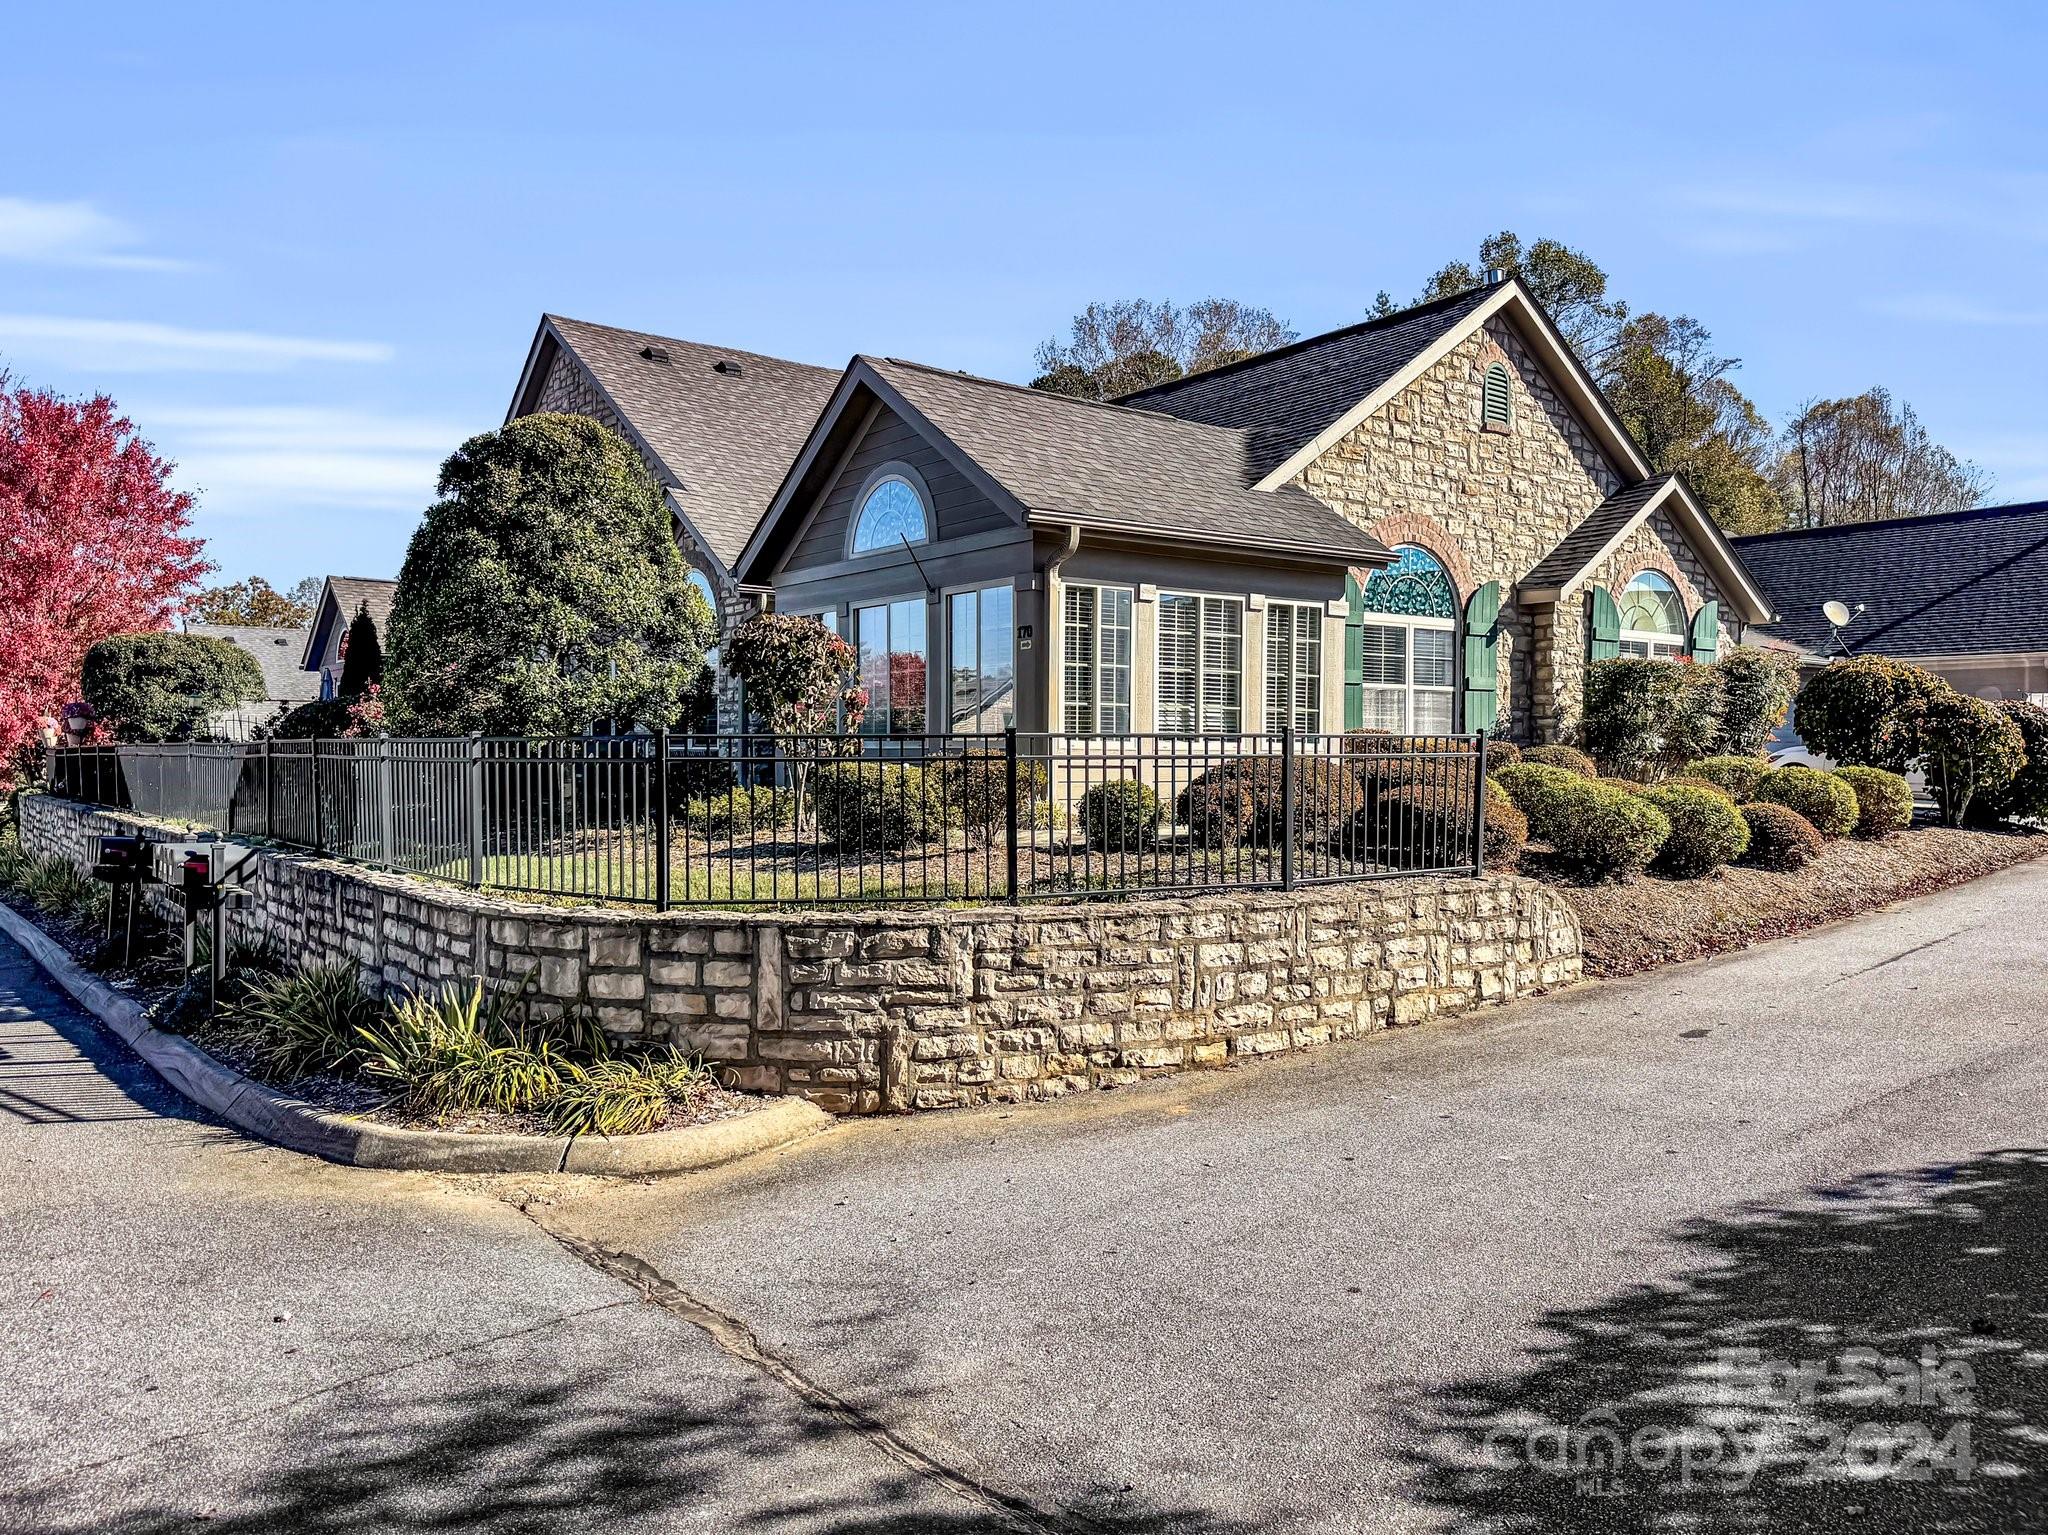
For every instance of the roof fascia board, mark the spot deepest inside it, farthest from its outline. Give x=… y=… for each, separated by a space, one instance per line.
x=543 y=333
x=1708 y=539
x=1320 y=554
x=313 y=629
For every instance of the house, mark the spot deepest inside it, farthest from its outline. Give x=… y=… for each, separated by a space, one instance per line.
x=341 y=597
x=1964 y=594
x=285 y=683
x=1425 y=522
x=717 y=427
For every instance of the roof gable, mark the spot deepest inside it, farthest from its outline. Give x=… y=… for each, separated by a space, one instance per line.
x=1961 y=583
x=1603 y=530
x=719 y=425
x=340 y=598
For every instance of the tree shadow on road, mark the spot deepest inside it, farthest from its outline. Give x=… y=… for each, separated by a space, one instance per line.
x=579 y=1453
x=1645 y=1413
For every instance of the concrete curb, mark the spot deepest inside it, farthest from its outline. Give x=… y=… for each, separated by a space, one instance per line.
x=299 y=1126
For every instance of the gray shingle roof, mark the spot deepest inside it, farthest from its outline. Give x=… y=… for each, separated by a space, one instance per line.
x=1963 y=583
x=1579 y=548
x=1110 y=464
x=723 y=441
x=1284 y=398
x=352 y=592
x=277 y=653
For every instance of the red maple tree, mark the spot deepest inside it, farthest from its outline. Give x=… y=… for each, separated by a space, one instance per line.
x=93 y=542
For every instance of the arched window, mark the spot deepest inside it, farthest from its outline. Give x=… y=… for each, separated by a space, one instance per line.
x=1410 y=645
x=892 y=512
x=1494 y=402
x=1652 y=618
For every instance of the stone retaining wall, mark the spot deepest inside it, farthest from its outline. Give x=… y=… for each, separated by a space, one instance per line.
x=879 y=1011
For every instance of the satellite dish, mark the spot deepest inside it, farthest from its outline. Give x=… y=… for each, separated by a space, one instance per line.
x=1837 y=612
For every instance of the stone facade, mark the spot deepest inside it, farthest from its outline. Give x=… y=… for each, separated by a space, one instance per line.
x=569 y=390
x=1491 y=504
x=897 y=1011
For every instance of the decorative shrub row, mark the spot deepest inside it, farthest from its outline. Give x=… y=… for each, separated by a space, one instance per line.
x=1596 y=827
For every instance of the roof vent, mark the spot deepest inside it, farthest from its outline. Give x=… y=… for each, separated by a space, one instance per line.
x=729 y=368
x=654 y=353
x=1495 y=275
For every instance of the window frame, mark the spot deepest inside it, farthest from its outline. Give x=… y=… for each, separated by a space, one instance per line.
x=1291 y=711
x=1202 y=668
x=893 y=472
x=1096 y=666
x=978 y=591
x=887 y=605
x=1408 y=687
x=1654 y=644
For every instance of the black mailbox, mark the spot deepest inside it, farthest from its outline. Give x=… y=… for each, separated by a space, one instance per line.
x=122 y=860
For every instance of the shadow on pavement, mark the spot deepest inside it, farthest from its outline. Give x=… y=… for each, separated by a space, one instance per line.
x=57 y=1066
x=574 y=1455
x=1874 y=1353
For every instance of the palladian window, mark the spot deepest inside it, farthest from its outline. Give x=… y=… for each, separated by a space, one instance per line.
x=1410 y=646
x=1652 y=618
x=892 y=513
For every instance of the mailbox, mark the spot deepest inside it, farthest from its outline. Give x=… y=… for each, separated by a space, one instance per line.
x=122 y=860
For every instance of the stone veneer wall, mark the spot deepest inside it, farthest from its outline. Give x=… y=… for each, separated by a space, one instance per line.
x=1491 y=505
x=893 y=1011
x=569 y=390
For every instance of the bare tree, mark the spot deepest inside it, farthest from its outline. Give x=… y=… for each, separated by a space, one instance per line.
x=1865 y=459
x=1115 y=348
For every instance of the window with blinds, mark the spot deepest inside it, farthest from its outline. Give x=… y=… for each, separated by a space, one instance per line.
x=1294 y=666
x=1494 y=403
x=1095 y=668
x=1201 y=665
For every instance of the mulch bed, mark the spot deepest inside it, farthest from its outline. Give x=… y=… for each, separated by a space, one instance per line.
x=1649 y=921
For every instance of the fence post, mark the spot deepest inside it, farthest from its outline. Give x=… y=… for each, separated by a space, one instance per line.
x=269 y=793
x=476 y=809
x=661 y=854
x=319 y=816
x=1010 y=808
x=1287 y=826
x=387 y=808
x=1479 y=813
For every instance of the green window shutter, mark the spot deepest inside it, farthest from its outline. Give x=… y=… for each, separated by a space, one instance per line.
x=1482 y=658
x=1354 y=654
x=1604 y=628
x=1706 y=634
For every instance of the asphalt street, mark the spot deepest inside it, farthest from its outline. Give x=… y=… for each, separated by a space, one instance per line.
x=1750 y=1244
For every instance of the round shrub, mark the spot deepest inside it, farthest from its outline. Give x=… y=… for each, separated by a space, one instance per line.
x=1827 y=803
x=1861 y=710
x=1506 y=829
x=1119 y=816
x=1706 y=829
x=1570 y=758
x=1780 y=838
x=2026 y=797
x=1217 y=811
x=1410 y=824
x=876 y=807
x=1597 y=827
x=1327 y=795
x=1884 y=801
x=1500 y=753
x=1543 y=794
x=1736 y=776
x=1970 y=748
x=975 y=789
x=1694 y=781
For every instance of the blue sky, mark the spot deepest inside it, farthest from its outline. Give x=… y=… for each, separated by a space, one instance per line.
x=306 y=247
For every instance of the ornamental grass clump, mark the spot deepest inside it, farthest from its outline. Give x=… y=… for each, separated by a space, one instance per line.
x=300 y=1024
x=1884 y=801
x=626 y=1095
x=449 y=1052
x=1780 y=839
x=1825 y=801
x=1706 y=829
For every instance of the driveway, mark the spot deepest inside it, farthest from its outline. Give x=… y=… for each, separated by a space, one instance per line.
x=1369 y=1289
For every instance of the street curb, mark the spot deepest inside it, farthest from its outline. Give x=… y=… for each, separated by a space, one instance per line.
x=299 y=1126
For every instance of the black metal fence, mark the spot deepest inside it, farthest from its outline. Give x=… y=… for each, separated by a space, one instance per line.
x=757 y=820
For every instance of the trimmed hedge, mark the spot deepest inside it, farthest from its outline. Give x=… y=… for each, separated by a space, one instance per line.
x=1410 y=822
x=1500 y=753
x=1505 y=829
x=1884 y=801
x=1694 y=781
x=1541 y=792
x=2026 y=797
x=1706 y=829
x=1644 y=717
x=1823 y=800
x=1780 y=838
x=976 y=789
x=1570 y=758
x=1599 y=828
x=1735 y=775
x=1217 y=811
x=1120 y=816
x=1327 y=795
x=876 y=807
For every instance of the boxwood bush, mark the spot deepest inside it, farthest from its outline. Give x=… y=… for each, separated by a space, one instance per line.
x=976 y=790
x=1569 y=758
x=1410 y=822
x=1884 y=801
x=2026 y=797
x=1861 y=710
x=1120 y=816
x=1780 y=838
x=1706 y=829
x=876 y=807
x=1217 y=811
x=1600 y=829
x=1327 y=795
x=1825 y=801
x=1970 y=749
x=1736 y=775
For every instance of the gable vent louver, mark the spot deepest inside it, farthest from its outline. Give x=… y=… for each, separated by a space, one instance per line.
x=654 y=353
x=1493 y=397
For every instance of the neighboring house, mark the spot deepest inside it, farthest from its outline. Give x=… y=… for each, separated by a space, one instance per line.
x=1964 y=594
x=1425 y=522
x=341 y=597
x=285 y=682
x=717 y=427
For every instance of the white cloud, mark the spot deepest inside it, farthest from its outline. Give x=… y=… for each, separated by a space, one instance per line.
x=72 y=234
x=1949 y=309
x=255 y=460
x=133 y=346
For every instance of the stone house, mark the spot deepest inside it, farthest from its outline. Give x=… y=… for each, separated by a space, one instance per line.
x=1425 y=522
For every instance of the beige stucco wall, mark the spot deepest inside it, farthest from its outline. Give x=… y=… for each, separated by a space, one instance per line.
x=1492 y=504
